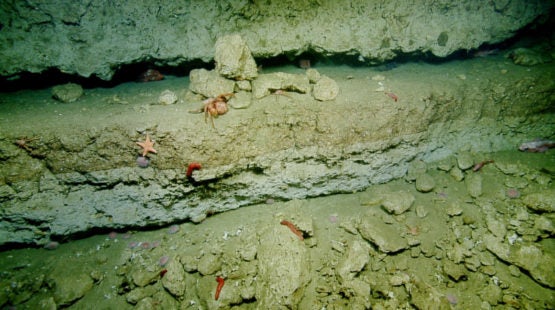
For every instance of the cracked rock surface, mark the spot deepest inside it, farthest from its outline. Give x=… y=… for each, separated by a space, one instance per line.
x=37 y=36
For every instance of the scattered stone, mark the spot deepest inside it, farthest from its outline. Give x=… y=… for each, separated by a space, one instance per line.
x=190 y=263
x=397 y=202
x=526 y=256
x=142 y=278
x=70 y=288
x=399 y=279
x=241 y=100
x=266 y=84
x=281 y=255
x=6 y=192
x=354 y=261
x=325 y=89
x=209 y=264
x=244 y=85
x=234 y=59
x=421 y=211
x=209 y=83
x=425 y=183
x=454 y=209
x=134 y=296
x=491 y=294
x=456 y=272
x=544 y=225
x=465 y=161
x=446 y=164
x=67 y=93
x=174 y=279
x=313 y=75
x=167 y=97
x=541 y=201
x=416 y=168
x=474 y=185
x=384 y=236
x=457 y=174
x=497 y=228
x=529 y=57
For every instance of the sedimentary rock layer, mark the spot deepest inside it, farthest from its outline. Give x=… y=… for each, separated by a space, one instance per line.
x=87 y=37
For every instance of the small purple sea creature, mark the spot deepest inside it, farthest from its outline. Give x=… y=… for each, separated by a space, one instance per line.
x=452 y=298
x=442 y=195
x=333 y=218
x=173 y=229
x=143 y=161
x=513 y=193
x=163 y=261
x=52 y=245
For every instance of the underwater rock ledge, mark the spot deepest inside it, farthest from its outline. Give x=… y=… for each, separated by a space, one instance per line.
x=73 y=37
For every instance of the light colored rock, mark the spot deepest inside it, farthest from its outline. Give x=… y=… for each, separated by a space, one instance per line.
x=265 y=84
x=313 y=75
x=67 y=93
x=496 y=227
x=353 y=262
x=174 y=279
x=139 y=293
x=397 y=202
x=456 y=272
x=425 y=183
x=465 y=161
x=281 y=255
x=541 y=201
x=384 y=236
x=70 y=289
x=416 y=168
x=241 y=100
x=325 y=89
x=454 y=209
x=491 y=294
x=473 y=184
x=209 y=264
x=526 y=256
x=73 y=37
x=209 y=83
x=167 y=97
x=457 y=174
x=233 y=58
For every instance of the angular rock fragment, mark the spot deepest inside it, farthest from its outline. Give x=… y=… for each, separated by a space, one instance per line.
x=234 y=59
x=384 y=236
x=541 y=202
x=325 y=89
x=397 y=202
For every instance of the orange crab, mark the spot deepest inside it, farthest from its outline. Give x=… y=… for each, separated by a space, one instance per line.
x=215 y=106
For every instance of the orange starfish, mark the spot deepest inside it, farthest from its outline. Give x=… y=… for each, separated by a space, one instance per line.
x=147 y=146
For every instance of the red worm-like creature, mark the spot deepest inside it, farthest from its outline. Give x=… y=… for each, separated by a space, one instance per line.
x=479 y=165
x=219 y=287
x=192 y=167
x=293 y=228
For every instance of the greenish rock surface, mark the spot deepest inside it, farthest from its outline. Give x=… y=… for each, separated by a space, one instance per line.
x=73 y=38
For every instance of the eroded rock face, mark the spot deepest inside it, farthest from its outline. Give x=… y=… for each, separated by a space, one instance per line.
x=72 y=37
